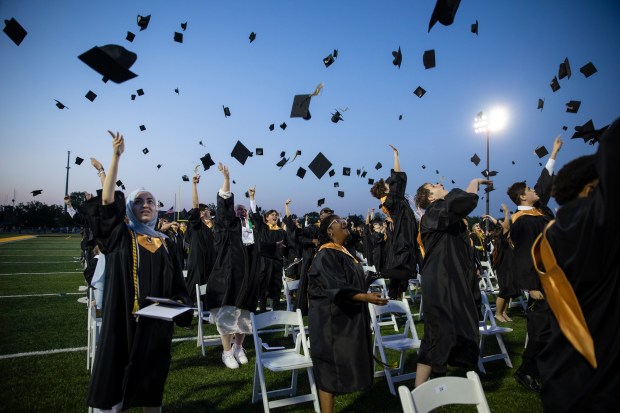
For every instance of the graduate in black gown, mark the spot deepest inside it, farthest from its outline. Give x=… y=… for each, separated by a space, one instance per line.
x=374 y=242
x=586 y=243
x=401 y=255
x=338 y=319
x=448 y=282
x=527 y=224
x=201 y=244
x=133 y=356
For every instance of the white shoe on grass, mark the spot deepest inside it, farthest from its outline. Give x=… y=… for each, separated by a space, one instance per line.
x=229 y=359
x=239 y=354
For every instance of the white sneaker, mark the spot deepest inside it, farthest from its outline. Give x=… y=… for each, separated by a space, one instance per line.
x=239 y=354
x=229 y=360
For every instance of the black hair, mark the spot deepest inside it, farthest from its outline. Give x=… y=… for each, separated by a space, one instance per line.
x=573 y=176
x=422 y=195
x=325 y=223
x=515 y=191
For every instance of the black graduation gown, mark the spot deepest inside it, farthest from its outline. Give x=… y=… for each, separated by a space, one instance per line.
x=133 y=356
x=374 y=247
x=309 y=249
x=401 y=242
x=340 y=336
x=448 y=284
x=503 y=265
x=271 y=257
x=586 y=242
x=201 y=252
x=231 y=281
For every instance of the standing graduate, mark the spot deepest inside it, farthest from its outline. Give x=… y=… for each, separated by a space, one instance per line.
x=133 y=356
x=400 y=262
x=448 y=283
x=231 y=291
x=586 y=244
x=527 y=224
x=201 y=244
x=338 y=319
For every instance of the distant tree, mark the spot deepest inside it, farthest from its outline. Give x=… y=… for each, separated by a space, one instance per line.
x=38 y=214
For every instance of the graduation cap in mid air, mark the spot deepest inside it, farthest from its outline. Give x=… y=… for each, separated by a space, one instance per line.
x=226 y=111
x=475 y=159
x=130 y=36
x=341 y=194
x=346 y=171
x=282 y=162
x=176 y=91
x=140 y=92
x=400 y=117
x=573 y=106
x=207 y=162
x=332 y=173
x=489 y=188
x=185 y=178
x=301 y=104
x=541 y=151
x=178 y=37
x=184 y=26
x=378 y=166
x=142 y=128
x=111 y=61
x=78 y=160
x=160 y=204
x=488 y=174
x=133 y=97
x=327 y=61
x=398 y=57
x=272 y=127
x=564 y=127
x=158 y=166
x=564 y=69
x=143 y=21
x=419 y=91
x=336 y=117
x=363 y=175
x=91 y=95
x=145 y=151
x=541 y=104
x=588 y=133
x=319 y=165
x=36 y=192
x=588 y=69
x=301 y=172
x=429 y=59
x=252 y=37
x=320 y=202
x=60 y=105
x=240 y=153
x=555 y=85
x=371 y=181
x=474 y=27
x=259 y=151
x=119 y=183
x=444 y=12
x=283 y=126
x=14 y=30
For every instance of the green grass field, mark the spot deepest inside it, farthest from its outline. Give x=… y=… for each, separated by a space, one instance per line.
x=39 y=312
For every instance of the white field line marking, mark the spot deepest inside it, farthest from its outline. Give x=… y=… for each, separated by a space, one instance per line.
x=43 y=273
x=70 y=350
x=42 y=295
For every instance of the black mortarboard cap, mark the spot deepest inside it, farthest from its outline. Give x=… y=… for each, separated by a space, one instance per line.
x=240 y=153
x=336 y=184
x=91 y=95
x=371 y=181
x=301 y=107
x=487 y=174
x=36 y=192
x=119 y=183
x=474 y=27
x=564 y=127
x=541 y=151
x=359 y=171
x=327 y=61
x=259 y=151
x=429 y=59
x=588 y=133
x=378 y=166
x=332 y=173
x=272 y=127
x=541 y=104
x=555 y=85
x=319 y=165
x=142 y=128
x=78 y=160
x=573 y=106
x=346 y=171
x=133 y=97
x=226 y=111
x=184 y=26
x=437 y=171
x=185 y=178
x=176 y=91
x=452 y=181
x=444 y=12
x=564 y=69
x=301 y=172
x=398 y=57
x=252 y=37
x=14 y=30
x=160 y=204
x=475 y=159
x=130 y=36
x=60 y=105
x=489 y=188
x=419 y=92
x=111 y=61
x=336 y=117
x=363 y=175
x=158 y=166
x=400 y=117
x=513 y=162
x=588 y=69
x=341 y=194
x=145 y=151
x=178 y=37
x=320 y=202
x=282 y=162
x=143 y=21
x=283 y=125
x=424 y=166
x=140 y=92
x=207 y=162
x=282 y=154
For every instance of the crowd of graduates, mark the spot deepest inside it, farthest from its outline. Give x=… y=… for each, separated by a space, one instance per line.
x=564 y=261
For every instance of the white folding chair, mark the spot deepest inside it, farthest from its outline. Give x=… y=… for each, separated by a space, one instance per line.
x=400 y=342
x=203 y=317
x=93 y=329
x=488 y=277
x=443 y=391
x=379 y=285
x=488 y=327
x=287 y=359
x=415 y=286
x=290 y=287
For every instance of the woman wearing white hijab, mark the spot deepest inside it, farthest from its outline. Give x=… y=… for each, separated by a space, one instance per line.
x=133 y=356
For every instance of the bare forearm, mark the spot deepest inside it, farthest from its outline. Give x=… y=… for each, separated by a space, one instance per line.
x=110 y=180
x=396 y=162
x=195 y=202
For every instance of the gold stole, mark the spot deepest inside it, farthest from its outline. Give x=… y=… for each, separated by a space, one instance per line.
x=532 y=212
x=334 y=246
x=384 y=209
x=273 y=227
x=149 y=243
x=419 y=239
x=561 y=298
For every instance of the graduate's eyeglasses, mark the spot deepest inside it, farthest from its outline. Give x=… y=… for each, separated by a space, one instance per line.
x=341 y=221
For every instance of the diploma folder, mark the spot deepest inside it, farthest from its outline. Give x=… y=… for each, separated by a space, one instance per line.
x=163 y=308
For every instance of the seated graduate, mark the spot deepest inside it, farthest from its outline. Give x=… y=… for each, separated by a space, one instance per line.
x=338 y=316
x=448 y=282
x=133 y=356
x=582 y=373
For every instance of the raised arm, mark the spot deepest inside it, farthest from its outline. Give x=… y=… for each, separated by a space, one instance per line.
x=287 y=210
x=475 y=183
x=118 y=147
x=100 y=171
x=557 y=145
x=195 y=181
x=506 y=222
x=396 y=160
x=224 y=170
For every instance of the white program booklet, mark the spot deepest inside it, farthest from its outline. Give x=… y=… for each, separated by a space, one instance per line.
x=164 y=309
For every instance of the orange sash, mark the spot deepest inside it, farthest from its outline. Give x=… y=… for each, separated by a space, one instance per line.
x=334 y=246
x=533 y=212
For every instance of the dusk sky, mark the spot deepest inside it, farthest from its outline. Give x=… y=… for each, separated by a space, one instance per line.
x=510 y=64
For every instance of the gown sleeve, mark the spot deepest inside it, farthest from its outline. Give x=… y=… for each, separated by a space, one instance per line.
x=543 y=187
x=328 y=269
x=608 y=168
x=107 y=222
